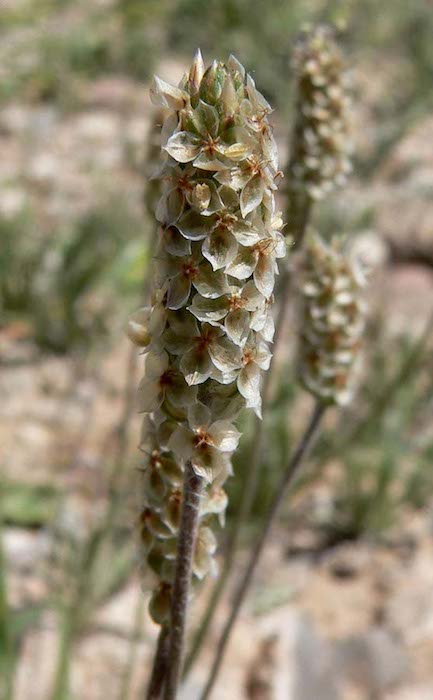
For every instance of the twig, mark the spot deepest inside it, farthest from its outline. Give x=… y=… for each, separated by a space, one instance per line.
x=192 y=489
x=159 y=668
x=287 y=478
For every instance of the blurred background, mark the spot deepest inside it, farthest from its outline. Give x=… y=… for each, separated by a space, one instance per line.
x=352 y=560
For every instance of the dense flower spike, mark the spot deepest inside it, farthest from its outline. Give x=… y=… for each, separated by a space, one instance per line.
x=332 y=321
x=320 y=149
x=206 y=332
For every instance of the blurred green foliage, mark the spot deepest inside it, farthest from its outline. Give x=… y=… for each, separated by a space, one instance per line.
x=70 y=284
x=26 y=505
x=131 y=36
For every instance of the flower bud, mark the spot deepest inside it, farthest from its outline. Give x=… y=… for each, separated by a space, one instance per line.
x=212 y=83
x=138 y=327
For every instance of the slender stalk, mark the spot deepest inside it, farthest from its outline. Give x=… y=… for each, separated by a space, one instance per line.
x=159 y=668
x=192 y=489
x=287 y=478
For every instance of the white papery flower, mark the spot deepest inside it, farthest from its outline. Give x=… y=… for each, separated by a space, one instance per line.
x=207 y=330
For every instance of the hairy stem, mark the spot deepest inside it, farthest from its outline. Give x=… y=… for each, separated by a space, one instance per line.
x=286 y=480
x=193 y=485
x=159 y=668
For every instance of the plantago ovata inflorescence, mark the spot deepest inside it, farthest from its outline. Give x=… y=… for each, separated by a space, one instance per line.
x=206 y=334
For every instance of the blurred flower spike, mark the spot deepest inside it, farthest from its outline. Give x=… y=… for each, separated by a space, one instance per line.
x=332 y=323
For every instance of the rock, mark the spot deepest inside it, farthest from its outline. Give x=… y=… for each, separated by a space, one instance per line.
x=25 y=549
x=374 y=662
x=315 y=672
x=38 y=657
x=12 y=201
x=43 y=168
x=348 y=560
x=416 y=691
